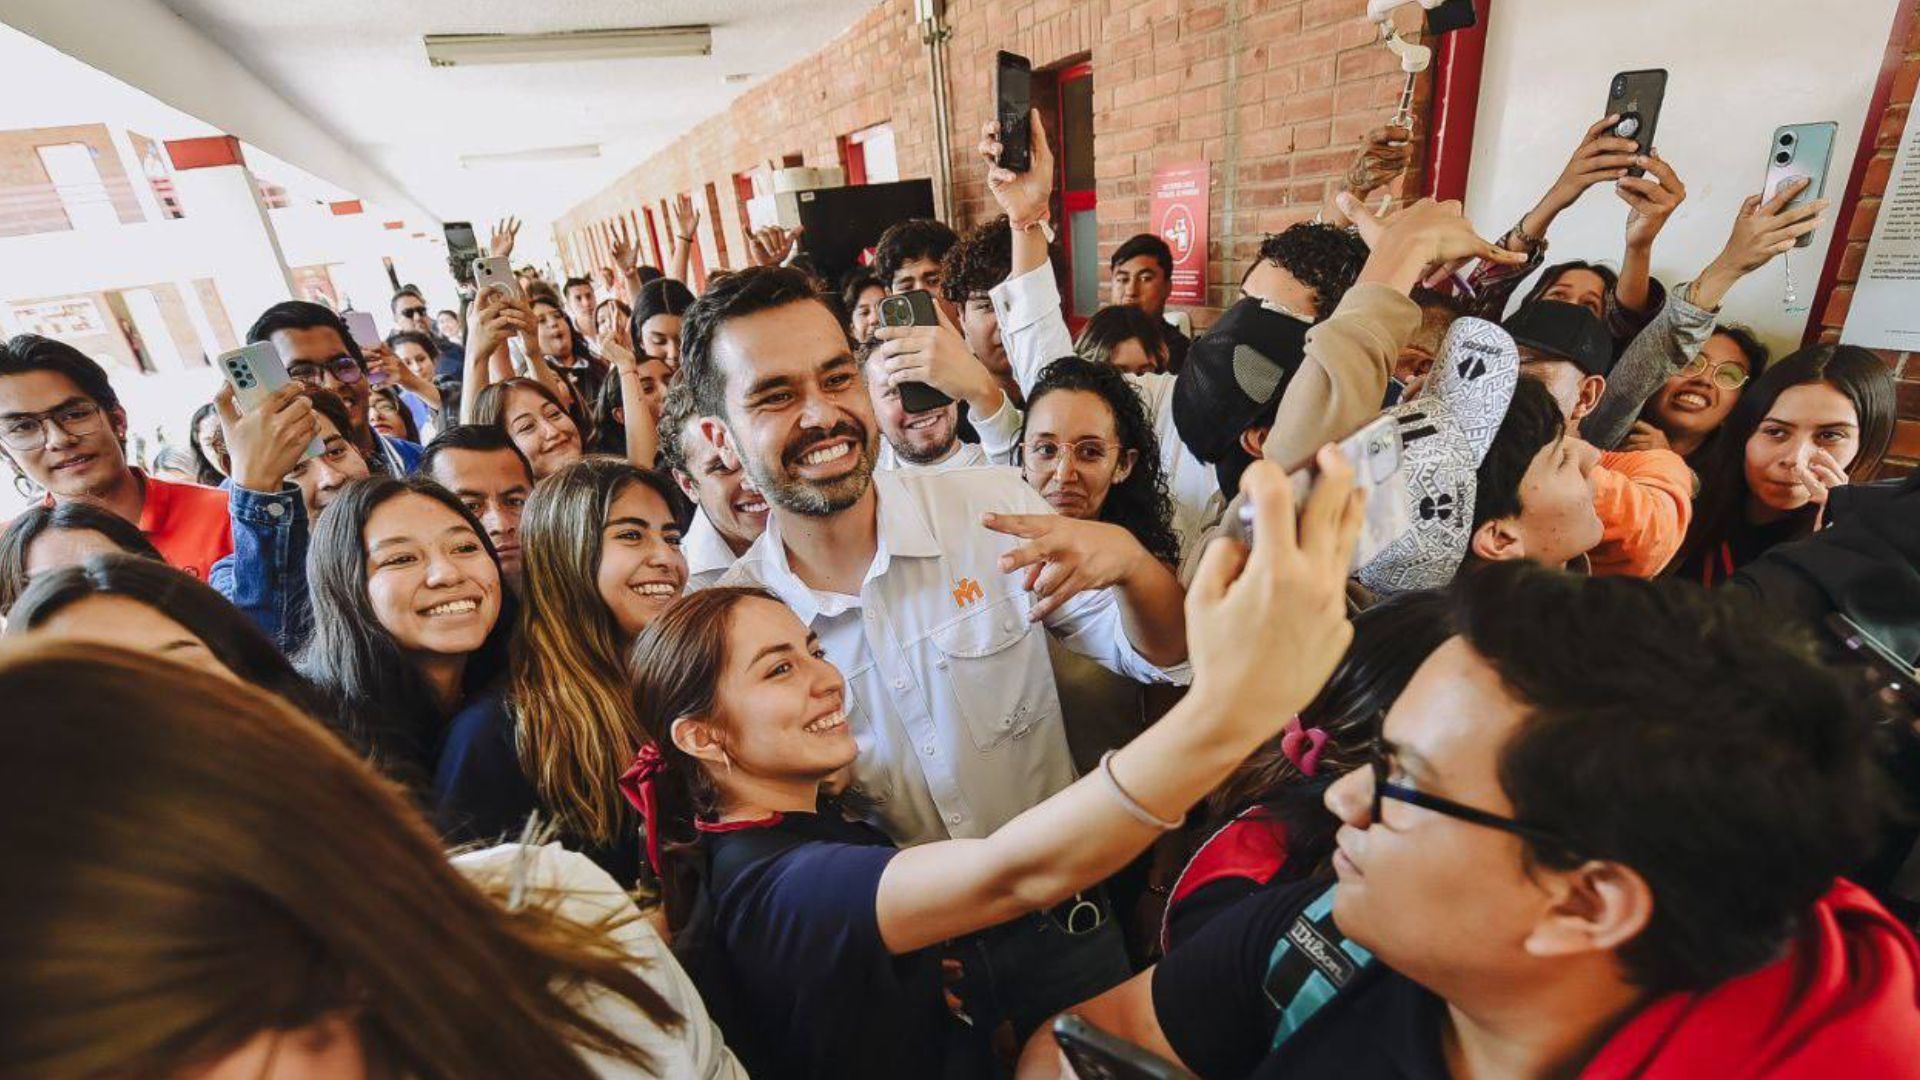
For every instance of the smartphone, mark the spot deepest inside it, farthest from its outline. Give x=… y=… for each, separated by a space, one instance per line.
x=1800 y=150
x=494 y=272
x=1013 y=107
x=914 y=308
x=1375 y=452
x=1635 y=97
x=1096 y=1055
x=462 y=248
x=1893 y=678
x=256 y=372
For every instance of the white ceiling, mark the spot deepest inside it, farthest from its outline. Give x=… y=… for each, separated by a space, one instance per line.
x=359 y=70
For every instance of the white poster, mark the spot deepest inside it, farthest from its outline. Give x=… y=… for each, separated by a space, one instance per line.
x=67 y=317
x=1886 y=302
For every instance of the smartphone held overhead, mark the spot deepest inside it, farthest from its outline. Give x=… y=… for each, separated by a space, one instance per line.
x=1013 y=107
x=1635 y=97
x=1800 y=152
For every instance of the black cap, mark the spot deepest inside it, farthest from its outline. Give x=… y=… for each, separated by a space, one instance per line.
x=1560 y=331
x=1233 y=373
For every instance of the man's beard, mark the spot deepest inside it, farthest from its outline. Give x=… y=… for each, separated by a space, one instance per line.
x=812 y=498
x=920 y=452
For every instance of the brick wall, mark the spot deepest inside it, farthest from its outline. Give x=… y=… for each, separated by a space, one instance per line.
x=1904 y=456
x=1274 y=93
x=28 y=201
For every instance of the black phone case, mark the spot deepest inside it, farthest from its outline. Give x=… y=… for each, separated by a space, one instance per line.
x=1016 y=141
x=1638 y=105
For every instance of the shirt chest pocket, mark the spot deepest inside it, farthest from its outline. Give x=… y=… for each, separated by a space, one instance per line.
x=999 y=687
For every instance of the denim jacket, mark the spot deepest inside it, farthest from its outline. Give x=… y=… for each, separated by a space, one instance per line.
x=266 y=576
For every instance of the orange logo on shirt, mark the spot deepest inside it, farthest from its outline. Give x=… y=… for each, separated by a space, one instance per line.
x=967 y=592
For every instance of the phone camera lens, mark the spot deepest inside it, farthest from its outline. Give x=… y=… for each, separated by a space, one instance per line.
x=1619 y=87
x=1786 y=138
x=1783 y=157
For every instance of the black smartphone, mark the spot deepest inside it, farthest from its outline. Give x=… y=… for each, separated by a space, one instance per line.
x=1013 y=107
x=914 y=308
x=462 y=248
x=1635 y=97
x=1894 y=679
x=1096 y=1055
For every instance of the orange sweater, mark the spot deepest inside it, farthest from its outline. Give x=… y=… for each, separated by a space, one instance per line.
x=1645 y=502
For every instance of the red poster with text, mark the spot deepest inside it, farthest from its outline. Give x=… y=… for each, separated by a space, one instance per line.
x=1180 y=218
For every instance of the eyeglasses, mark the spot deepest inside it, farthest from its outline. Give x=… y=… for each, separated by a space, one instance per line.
x=1090 y=451
x=313 y=373
x=413 y=312
x=1727 y=374
x=28 y=431
x=1384 y=789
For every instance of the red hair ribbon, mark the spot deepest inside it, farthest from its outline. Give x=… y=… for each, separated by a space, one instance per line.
x=637 y=784
x=1302 y=747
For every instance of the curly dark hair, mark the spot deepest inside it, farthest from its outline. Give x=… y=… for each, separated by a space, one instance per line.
x=1140 y=503
x=982 y=259
x=904 y=241
x=1325 y=258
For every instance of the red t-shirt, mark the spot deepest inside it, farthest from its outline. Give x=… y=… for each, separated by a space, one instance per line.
x=188 y=523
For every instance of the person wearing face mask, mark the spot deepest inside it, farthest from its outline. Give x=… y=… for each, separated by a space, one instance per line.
x=410 y=621
x=278 y=490
x=655 y=323
x=63 y=431
x=49 y=537
x=144 y=606
x=603 y=559
x=491 y=478
x=817 y=942
x=729 y=512
x=1810 y=421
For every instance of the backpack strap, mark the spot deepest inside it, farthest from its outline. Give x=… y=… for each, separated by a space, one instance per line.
x=1309 y=965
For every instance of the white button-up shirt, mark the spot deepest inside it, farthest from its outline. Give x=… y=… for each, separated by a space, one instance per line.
x=706 y=551
x=1035 y=335
x=950 y=693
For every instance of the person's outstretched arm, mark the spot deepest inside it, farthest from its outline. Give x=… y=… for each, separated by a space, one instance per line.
x=1266 y=627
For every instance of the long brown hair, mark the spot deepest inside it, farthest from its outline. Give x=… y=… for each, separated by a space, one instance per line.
x=677 y=663
x=575 y=727
x=208 y=865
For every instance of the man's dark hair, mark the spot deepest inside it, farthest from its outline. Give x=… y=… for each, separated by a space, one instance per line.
x=1143 y=244
x=402 y=293
x=1433 y=300
x=30 y=352
x=680 y=410
x=568 y=285
x=1325 y=258
x=736 y=296
x=1686 y=734
x=413 y=337
x=1533 y=422
x=482 y=438
x=976 y=263
x=904 y=241
x=306 y=315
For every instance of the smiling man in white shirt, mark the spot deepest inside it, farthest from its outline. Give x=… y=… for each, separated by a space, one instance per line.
x=913 y=585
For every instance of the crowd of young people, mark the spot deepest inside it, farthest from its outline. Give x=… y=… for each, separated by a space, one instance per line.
x=785 y=728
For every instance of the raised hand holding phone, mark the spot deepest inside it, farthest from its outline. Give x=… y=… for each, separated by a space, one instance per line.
x=1403 y=245
x=1025 y=197
x=265 y=442
x=1762 y=230
x=1651 y=199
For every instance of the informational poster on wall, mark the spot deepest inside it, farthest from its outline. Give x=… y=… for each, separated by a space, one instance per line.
x=1886 y=301
x=1179 y=216
x=65 y=317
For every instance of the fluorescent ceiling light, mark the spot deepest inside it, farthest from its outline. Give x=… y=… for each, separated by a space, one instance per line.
x=462 y=50
x=526 y=157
